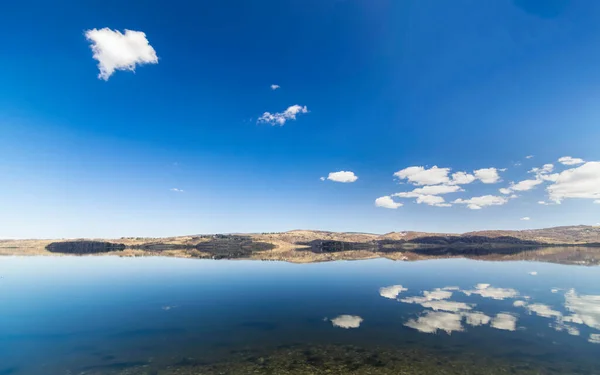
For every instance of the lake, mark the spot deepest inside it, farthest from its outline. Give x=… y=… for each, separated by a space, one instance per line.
x=156 y=315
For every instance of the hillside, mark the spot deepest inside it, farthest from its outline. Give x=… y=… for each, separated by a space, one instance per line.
x=313 y=246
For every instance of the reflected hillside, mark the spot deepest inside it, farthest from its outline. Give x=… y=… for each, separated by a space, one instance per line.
x=574 y=255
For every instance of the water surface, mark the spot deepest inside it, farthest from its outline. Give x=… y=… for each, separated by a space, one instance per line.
x=111 y=315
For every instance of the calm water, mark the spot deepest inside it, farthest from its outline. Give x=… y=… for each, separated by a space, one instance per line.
x=110 y=315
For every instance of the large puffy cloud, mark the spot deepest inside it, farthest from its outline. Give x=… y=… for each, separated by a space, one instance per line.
x=387 y=202
x=487 y=175
x=424 y=176
x=116 y=51
x=476 y=203
x=580 y=182
x=435 y=175
x=568 y=160
x=280 y=118
x=342 y=176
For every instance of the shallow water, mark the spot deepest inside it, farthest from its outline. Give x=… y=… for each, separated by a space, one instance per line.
x=111 y=315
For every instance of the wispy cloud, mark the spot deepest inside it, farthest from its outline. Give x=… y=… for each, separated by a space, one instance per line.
x=568 y=160
x=275 y=87
x=176 y=190
x=526 y=218
x=116 y=51
x=477 y=203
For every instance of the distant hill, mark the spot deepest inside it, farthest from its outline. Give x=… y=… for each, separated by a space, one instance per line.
x=313 y=246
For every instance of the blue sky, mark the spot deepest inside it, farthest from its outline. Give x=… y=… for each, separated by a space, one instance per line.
x=386 y=85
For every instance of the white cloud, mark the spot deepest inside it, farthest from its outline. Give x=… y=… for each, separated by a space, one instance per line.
x=505 y=322
x=546 y=168
x=594 y=338
x=544 y=203
x=347 y=321
x=432 y=200
x=528 y=156
x=462 y=178
x=322 y=178
x=477 y=319
x=580 y=182
x=280 y=118
x=176 y=190
x=342 y=176
x=526 y=218
x=519 y=303
x=487 y=291
x=568 y=160
x=432 y=321
x=487 y=175
x=423 y=176
x=597 y=201
x=437 y=189
x=387 y=202
x=116 y=51
x=477 y=203
x=505 y=191
x=525 y=185
x=275 y=87
x=391 y=291
x=533 y=273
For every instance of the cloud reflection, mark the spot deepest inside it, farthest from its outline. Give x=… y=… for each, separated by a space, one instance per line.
x=391 y=291
x=504 y=321
x=477 y=318
x=347 y=321
x=432 y=321
x=585 y=309
x=487 y=291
